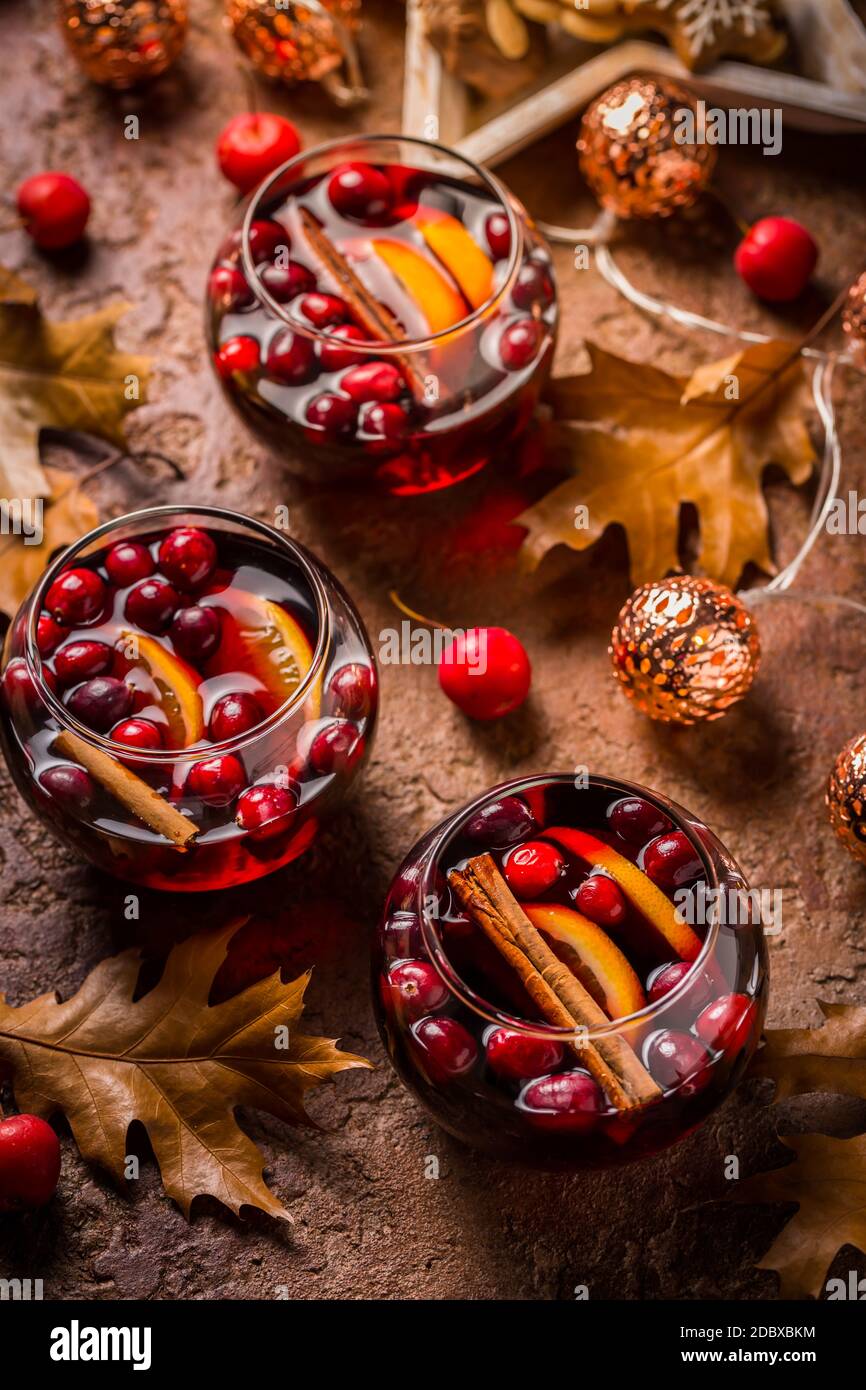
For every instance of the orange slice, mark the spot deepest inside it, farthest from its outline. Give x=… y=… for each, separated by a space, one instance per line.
x=459 y=252
x=260 y=637
x=438 y=300
x=638 y=888
x=176 y=687
x=596 y=960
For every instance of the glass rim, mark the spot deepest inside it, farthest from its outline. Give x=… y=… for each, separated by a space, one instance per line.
x=159 y=756
x=508 y=204
x=426 y=893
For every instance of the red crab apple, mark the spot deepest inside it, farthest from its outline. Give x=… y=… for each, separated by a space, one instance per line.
x=776 y=259
x=253 y=145
x=29 y=1162
x=54 y=209
x=485 y=672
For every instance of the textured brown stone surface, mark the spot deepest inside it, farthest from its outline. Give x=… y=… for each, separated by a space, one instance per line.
x=367 y=1222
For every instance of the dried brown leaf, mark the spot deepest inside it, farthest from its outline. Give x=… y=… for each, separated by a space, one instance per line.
x=67 y=514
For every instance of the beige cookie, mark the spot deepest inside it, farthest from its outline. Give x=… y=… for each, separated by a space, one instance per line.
x=702 y=31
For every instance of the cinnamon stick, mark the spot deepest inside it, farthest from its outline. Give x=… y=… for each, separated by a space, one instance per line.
x=558 y=994
x=132 y=792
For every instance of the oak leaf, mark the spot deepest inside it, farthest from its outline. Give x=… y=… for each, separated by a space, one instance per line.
x=642 y=442
x=176 y=1064
x=64 y=375
x=67 y=514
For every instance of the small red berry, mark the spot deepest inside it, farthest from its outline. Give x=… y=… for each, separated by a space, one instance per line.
x=29 y=1162
x=137 y=733
x=776 y=259
x=601 y=900
x=291 y=358
x=449 y=1050
x=519 y=344
x=530 y=870
x=101 y=703
x=532 y=285
x=196 y=632
x=571 y=1101
x=18 y=686
x=500 y=823
x=637 y=820
x=677 y=1060
x=253 y=145
x=285 y=282
x=498 y=234
x=671 y=860
x=151 y=605
x=239 y=354
x=227 y=287
x=373 y=381
x=413 y=988
x=69 y=785
x=266 y=810
x=234 y=715
x=188 y=557
x=666 y=978
x=330 y=415
x=323 y=310
x=127 y=562
x=48 y=634
x=485 y=672
x=78 y=661
x=54 y=209
x=402 y=935
x=726 y=1024
x=217 y=781
x=333 y=355
x=383 y=420
x=360 y=191
x=335 y=747
x=353 y=688
x=76 y=596
x=518 y=1056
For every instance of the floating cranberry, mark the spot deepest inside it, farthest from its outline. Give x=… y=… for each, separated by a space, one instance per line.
x=188 y=557
x=18 y=683
x=353 y=688
x=323 y=310
x=498 y=234
x=137 y=733
x=532 y=285
x=666 y=978
x=373 y=381
x=127 y=562
x=671 y=860
x=530 y=870
x=330 y=415
x=76 y=596
x=380 y=420
x=291 y=358
x=254 y=144
x=266 y=239
x=29 y=1162
x=448 y=1048
x=54 y=209
x=519 y=344
x=333 y=356
x=500 y=823
x=151 y=605
x=402 y=935
x=518 y=1056
x=266 y=811
x=196 y=632
x=48 y=634
x=70 y=786
x=286 y=282
x=571 y=1101
x=636 y=820
x=100 y=703
x=234 y=715
x=336 y=747
x=485 y=672
x=726 y=1024
x=240 y=354
x=413 y=988
x=78 y=661
x=360 y=191
x=601 y=900
x=677 y=1060
x=227 y=287
x=217 y=781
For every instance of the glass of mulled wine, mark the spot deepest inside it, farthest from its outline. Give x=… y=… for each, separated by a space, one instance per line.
x=184 y=696
x=557 y=978
x=384 y=310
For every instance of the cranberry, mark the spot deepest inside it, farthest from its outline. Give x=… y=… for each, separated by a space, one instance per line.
x=500 y=823
x=726 y=1024
x=776 y=259
x=636 y=820
x=677 y=1060
x=234 y=715
x=196 y=632
x=519 y=344
x=336 y=747
x=18 y=683
x=353 y=688
x=78 y=661
x=666 y=978
x=448 y=1048
x=485 y=672
x=571 y=1101
x=266 y=810
x=518 y=1056
x=266 y=239
x=285 y=282
x=373 y=381
x=151 y=605
x=29 y=1162
x=532 y=285
x=498 y=234
x=601 y=900
x=333 y=356
x=137 y=733
x=530 y=869
x=76 y=596
x=323 y=310
x=127 y=562
x=291 y=358
x=69 y=785
x=413 y=988
x=239 y=354
x=360 y=191
x=100 y=703
x=671 y=860
x=227 y=287
x=330 y=415
x=54 y=209
x=402 y=934
x=188 y=557
x=254 y=144
x=48 y=634
x=383 y=421
x=217 y=781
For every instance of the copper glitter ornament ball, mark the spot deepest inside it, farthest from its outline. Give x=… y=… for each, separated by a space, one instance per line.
x=121 y=42
x=854 y=322
x=685 y=649
x=292 y=40
x=846 y=797
x=642 y=150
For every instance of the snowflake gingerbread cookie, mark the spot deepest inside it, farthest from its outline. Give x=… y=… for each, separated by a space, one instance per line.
x=702 y=31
